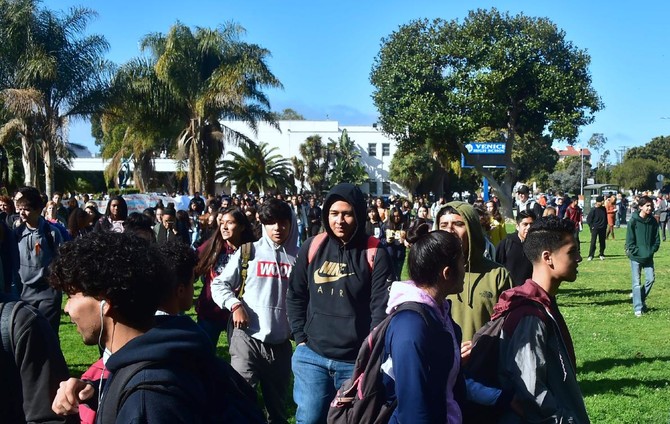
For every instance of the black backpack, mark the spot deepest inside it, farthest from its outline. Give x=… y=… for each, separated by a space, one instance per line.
x=230 y=398
x=7 y=313
x=482 y=366
x=363 y=398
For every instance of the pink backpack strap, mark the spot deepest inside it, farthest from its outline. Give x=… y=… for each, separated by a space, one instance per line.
x=371 y=251
x=370 y=248
x=317 y=241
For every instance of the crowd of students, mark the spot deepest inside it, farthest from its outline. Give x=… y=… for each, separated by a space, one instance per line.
x=321 y=273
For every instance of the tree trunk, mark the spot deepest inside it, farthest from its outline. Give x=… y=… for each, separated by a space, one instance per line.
x=28 y=159
x=191 y=168
x=210 y=181
x=142 y=171
x=49 y=160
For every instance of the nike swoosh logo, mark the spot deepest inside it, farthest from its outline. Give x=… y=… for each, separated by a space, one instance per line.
x=323 y=279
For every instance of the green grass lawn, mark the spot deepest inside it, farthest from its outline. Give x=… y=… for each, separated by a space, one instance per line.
x=623 y=361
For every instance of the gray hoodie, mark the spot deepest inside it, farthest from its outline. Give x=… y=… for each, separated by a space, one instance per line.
x=264 y=296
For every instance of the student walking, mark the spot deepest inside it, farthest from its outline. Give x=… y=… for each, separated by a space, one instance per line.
x=642 y=241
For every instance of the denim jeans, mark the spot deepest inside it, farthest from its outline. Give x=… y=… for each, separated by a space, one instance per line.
x=640 y=293
x=316 y=380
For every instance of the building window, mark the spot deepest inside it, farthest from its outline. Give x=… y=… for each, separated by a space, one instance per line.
x=386 y=188
x=386 y=149
x=372 y=149
x=373 y=186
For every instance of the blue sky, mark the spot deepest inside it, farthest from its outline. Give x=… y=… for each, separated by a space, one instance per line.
x=322 y=52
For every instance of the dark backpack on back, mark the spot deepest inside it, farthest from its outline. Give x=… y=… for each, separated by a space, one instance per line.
x=230 y=399
x=363 y=398
x=482 y=366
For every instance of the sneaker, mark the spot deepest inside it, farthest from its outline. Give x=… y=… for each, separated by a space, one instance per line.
x=638 y=313
x=602 y=258
x=630 y=295
x=590 y=258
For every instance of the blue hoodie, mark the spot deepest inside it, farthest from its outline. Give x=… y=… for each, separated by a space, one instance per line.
x=427 y=359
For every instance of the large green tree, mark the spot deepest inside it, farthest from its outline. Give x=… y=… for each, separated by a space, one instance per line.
x=568 y=174
x=445 y=81
x=657 y=150
x=636 y=174
x=410 y=168
x=211 y=75
x=50 y=72
x=258 y=168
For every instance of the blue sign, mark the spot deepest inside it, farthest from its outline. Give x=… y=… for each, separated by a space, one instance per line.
x=485 y=148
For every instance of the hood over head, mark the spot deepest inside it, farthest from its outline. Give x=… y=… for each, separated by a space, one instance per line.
x=291 y=242
x=352 y=195
x=476 y=240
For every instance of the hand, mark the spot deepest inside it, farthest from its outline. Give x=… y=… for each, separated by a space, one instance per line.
x=466 y=349
x=240 y=318
x=69 y=394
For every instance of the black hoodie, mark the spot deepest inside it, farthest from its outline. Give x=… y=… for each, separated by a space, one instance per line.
x=336 y=299
x=173 y=343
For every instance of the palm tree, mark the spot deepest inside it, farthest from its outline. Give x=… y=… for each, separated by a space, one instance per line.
x=314 y=154
x=136 y=122
x=55 y=69
x=211 y=75
x=347 y=166
x=257 y=169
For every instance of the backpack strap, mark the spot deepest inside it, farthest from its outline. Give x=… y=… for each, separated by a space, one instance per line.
x=244 y=267
x=117 y=391
x=371 y=251
x=372 y=244
x=367 y=371
x=317 y=241
x=7 y=314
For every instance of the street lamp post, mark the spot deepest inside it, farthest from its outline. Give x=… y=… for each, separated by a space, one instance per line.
x=581 y=181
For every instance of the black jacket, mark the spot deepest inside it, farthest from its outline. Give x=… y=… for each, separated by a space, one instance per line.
x=31 y=377
x=597 y=218
x=336 y=299
x=175 y=345
x=509 y=253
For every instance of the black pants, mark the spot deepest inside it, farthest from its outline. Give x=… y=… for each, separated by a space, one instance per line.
x=600 y=233
x=662 y=225
x=313 y=229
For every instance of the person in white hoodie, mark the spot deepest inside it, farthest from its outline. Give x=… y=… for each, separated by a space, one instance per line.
x=260 y=349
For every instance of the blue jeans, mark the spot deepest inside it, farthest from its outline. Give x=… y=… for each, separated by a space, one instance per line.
x=316 y=380
x=640 y=293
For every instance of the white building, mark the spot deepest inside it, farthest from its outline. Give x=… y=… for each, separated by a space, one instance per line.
x=375 y=149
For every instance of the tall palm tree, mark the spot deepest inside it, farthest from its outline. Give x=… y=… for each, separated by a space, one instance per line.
x=347 y=166
x=137 y=121
x=313 y=152
x=257 y=169
x=55 y=68
x=211 y=75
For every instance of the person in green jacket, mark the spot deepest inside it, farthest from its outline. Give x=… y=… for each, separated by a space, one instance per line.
x=485 y=280
x=642 y=241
